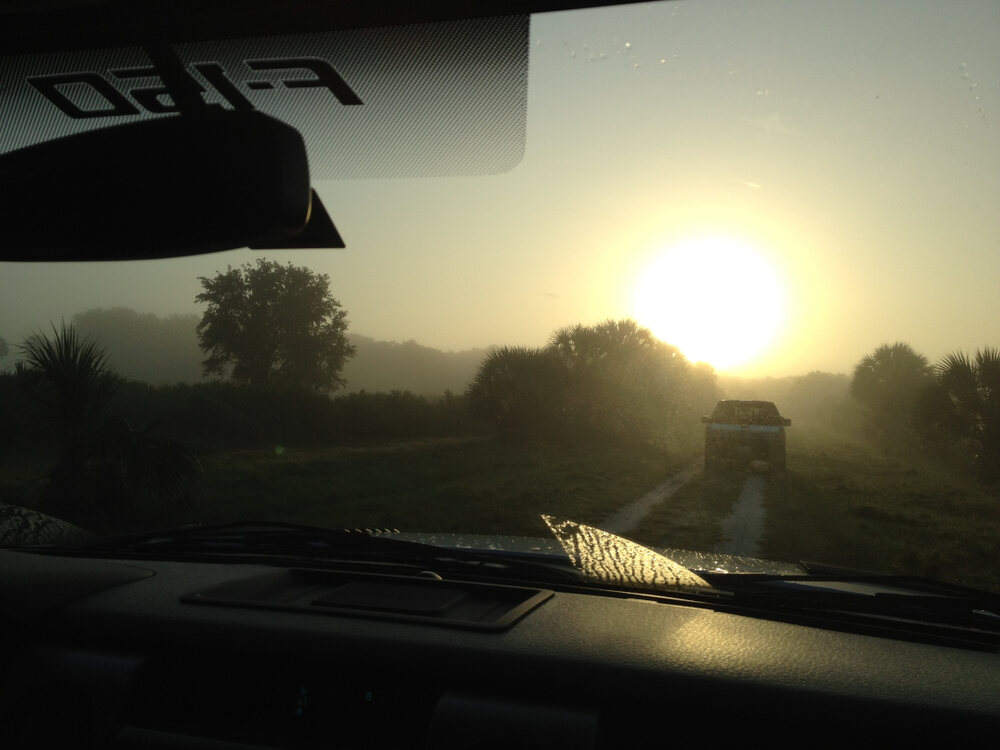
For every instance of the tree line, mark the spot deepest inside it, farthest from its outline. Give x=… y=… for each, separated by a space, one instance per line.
x=950 y=409
x=274 y=336
x=164 y=350
x=274 y=339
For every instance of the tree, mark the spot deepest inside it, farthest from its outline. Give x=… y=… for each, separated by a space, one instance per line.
x=101 y=462
x=622 y=380
x=68 y=376
x=611 y=380
x=519 y=390
x=961 y=410
x=268 y=323
x=888 y=383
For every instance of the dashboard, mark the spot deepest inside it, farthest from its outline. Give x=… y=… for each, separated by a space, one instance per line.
x=169 y=654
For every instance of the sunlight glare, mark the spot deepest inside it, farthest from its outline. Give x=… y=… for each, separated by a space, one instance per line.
x=717 y=299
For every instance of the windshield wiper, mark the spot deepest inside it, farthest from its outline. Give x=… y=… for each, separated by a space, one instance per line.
x=903 y=605
x=284 y=541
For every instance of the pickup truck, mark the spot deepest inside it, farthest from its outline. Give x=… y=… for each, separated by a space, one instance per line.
x=739 y=433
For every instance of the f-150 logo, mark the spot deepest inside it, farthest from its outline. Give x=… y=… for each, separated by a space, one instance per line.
x=105 y=99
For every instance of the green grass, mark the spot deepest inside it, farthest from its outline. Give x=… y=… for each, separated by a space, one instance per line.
x=844 y=504
x=470 y=485
x=839 y=502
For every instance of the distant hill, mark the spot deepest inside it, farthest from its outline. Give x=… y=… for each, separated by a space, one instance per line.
x=164 y=350
x=409 y=366
x=144 y=346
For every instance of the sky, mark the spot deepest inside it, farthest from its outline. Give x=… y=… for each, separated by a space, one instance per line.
x=833 y=170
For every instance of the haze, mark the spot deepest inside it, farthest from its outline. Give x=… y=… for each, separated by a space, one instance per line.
x=854 y=145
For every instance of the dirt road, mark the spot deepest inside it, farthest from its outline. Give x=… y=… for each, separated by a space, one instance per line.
x=625 y=519
x=742 y=530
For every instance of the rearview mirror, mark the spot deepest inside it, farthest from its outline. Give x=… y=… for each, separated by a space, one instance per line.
x=172 y=186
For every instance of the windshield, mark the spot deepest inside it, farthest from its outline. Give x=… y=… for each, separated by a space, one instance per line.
x=566 y=239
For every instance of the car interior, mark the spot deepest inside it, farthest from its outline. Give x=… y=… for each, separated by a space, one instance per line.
x=268 y=635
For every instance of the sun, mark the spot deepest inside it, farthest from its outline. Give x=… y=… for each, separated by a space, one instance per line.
x=716 y=298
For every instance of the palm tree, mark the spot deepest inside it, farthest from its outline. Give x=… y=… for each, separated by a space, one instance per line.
x=622 y=380
x=962 y=408
x=606 y=346
x=888 y=383
x=69 y=378
x=100 y=460
x=519 y=390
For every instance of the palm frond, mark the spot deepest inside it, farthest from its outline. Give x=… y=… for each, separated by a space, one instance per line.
x=68 y=374
x=988 y=373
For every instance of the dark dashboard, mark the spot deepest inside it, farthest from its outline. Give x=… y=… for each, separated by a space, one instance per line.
x=102 y=653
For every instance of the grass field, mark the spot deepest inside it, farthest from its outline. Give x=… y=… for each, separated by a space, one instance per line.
x=471 y=485
x=838 y=503
x=843 y=504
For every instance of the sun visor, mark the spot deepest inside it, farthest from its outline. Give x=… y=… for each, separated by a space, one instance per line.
x=432 y=99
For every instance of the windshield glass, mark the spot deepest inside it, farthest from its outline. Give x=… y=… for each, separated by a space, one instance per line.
x=566 y=240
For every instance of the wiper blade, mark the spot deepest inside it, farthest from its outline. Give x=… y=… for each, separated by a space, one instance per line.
x=238 y=536
x=266 y=537
x=288 y=540
x=890 y=598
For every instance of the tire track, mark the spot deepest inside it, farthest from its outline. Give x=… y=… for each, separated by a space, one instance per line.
x=742 y=530
x=627 y=518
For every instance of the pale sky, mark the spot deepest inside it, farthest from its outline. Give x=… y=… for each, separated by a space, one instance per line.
x=854 y=146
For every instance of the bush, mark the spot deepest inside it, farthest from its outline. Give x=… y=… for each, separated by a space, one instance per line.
x=226 y=415
x=614 y=381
